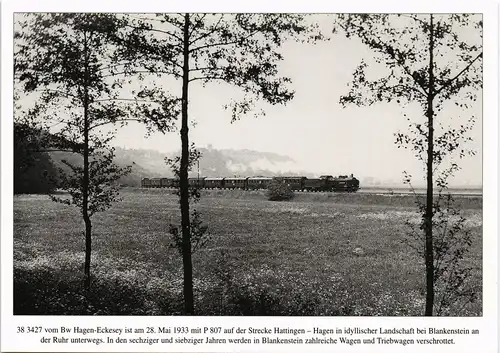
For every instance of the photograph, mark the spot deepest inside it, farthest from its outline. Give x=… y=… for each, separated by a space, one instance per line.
x=248 y=164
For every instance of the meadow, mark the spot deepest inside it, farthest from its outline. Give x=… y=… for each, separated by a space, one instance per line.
x=263 y=258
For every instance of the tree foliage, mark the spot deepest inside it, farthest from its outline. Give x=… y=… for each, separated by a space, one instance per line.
x=34 y=171
x=69 y=60
x=451 y=243
x=103 y=187
x=240 y=50
x=199 y=233
x=400 y=43
x=433 y=61
x=236 y=49
x=65 y=63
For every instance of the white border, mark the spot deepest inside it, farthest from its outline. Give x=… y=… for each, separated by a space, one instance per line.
x=487 y=341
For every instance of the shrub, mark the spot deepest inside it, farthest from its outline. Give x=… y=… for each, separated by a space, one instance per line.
x=277 y=191
x=44 y=292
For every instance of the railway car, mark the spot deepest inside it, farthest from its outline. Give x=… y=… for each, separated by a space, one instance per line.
x=235 y=183
x=197 y=182
x=155 y=182
x=145 y=183
x=255 y=183
x=295 y=183
x=344 y=183
x=214 y=183
x=166 y=182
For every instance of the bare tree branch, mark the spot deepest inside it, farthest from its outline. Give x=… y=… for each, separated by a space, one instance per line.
x=214 y=29
x=207 y=78
x=114 y=122
x=155 y=72
x=447 y=83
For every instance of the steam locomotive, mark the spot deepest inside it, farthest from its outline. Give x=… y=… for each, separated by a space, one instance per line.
x=342 y=183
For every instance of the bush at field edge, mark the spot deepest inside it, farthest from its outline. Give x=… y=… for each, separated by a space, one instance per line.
x=277 y=191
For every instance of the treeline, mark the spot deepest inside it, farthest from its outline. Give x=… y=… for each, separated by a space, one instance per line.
x=37 y=168
x=37 y=172
x=34 y=170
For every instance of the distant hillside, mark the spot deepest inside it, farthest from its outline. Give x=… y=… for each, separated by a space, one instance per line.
x=122 y=159
x=213 y=163
x=146 y=163
x=151 y=164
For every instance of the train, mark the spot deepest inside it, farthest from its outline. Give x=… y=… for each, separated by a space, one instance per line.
x=342 y=183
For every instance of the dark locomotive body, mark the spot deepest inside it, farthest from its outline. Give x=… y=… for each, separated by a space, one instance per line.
x=345 y=183
x=342 y=183
x=319 y=184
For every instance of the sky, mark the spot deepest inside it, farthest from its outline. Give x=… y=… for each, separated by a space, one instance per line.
x=320 y=135
x=314 y=129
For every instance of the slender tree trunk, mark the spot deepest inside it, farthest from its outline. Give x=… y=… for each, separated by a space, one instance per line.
x=429 y=249
x=183 y=179
x=85 y=186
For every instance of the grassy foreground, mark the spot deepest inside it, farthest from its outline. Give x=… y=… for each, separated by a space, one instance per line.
x=264 y=258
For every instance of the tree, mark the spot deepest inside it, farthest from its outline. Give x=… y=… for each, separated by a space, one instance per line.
x=66 y=62
x=433 y=61
x=237 y=49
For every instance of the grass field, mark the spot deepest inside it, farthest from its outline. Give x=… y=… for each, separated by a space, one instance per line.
x=264 y=258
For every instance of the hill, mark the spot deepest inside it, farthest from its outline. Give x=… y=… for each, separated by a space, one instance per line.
x=213 y=163
x=151 y=164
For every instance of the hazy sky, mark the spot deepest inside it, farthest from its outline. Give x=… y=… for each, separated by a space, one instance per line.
x=313 y=129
